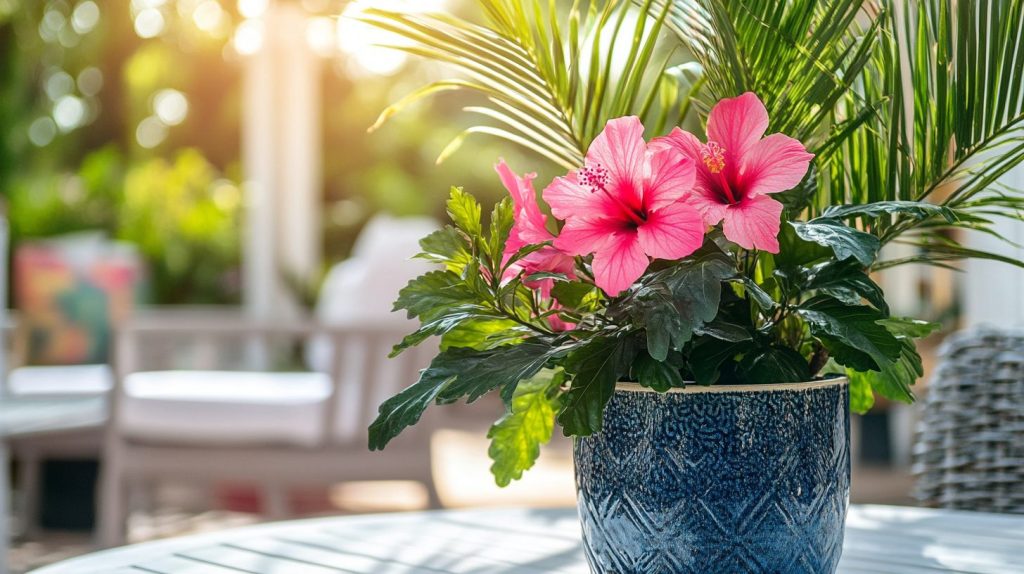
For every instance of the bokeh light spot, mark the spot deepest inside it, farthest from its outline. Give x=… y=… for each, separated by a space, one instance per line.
x=69 y=113
x=149 y=23
x=249 y=37
x=320 y=35
x=85 y=17
x=58 y=84
x=90 y=81
x=170 y=106
x=42 y=131
x=209 y=16
x=252 y=8
x=150 y=132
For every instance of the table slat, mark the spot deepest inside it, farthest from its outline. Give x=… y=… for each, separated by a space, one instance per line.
x=248 y=561
x=178 y=565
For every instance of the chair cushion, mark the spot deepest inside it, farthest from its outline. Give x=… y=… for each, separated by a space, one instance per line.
x=224 y=407
x=60 y=380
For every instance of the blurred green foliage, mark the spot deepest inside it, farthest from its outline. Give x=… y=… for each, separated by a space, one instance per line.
x=185 y=219
x=181 y=214
x=179 y=198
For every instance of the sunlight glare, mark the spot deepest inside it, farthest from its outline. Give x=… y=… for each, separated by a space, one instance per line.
x=362 y=42
x=209 y=16
x=249 y=37
x=252 y=8
x=320 y=35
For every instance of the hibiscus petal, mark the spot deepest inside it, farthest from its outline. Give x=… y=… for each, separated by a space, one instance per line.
x=619 y=263
x=708 y=203
x=774 y=164
x=754 y=223
x=671 y=177
x=737 y=124
x=620 y=148
x=583 y=236
x=568 y=198
x=672 y=232
x=703 y=195
x=530 y=223
x=687 y=143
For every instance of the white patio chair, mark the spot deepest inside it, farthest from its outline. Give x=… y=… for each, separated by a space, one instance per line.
x=276 y=429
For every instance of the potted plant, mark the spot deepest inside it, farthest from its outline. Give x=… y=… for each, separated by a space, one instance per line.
x=700 y=309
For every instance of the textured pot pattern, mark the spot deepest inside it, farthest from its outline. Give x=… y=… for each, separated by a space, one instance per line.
x=720 y=479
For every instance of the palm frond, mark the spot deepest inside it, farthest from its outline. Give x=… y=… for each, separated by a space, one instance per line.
x=800 y=57
x=953 y=73
x=550 y=82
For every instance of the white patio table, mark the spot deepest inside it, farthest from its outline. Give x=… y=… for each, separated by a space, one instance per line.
x=22 y=418
x=878 y=539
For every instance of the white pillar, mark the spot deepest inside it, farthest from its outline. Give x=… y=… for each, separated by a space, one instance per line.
x=281 y=150
x=299 y=179
x=994 y=291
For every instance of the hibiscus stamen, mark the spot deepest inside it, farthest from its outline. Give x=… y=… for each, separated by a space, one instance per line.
x=714 y=158
x=595 y=177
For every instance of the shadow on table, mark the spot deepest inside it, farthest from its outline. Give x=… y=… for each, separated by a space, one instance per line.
x=971 y=542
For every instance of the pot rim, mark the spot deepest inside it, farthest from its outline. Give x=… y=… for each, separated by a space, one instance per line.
x=695 y=388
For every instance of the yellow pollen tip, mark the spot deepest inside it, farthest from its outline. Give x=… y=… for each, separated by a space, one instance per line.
x=713 y=156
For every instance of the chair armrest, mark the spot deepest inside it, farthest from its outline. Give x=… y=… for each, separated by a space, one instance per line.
x=231 y=322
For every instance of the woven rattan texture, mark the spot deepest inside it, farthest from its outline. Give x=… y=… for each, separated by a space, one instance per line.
x=969 y=450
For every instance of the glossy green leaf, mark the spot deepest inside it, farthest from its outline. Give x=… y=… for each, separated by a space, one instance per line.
x=672 y=304
x=862 y=397
x=850 y=332
x=465 y=211
x=908 y=327
x=655 y=374
x=725 y=331
x=709 y=354
x=405 y=409
x=756 y=293
x=915 y=209
x=455 y=374
x=772 y=365
x=847 y=281
x=842 y=239
x=434 y=292
x=501 y=224
x=448 y=247
x=572 y=294
x=483 y=333
x=595 y=368
x=442 y=321
x=480 y=372
x=529 y=423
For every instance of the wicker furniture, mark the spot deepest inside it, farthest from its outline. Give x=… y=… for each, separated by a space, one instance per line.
x=969 y=452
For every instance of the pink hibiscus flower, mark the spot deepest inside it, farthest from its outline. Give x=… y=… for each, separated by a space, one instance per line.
x=530 y=228
x=737 y=169
x=626 y=206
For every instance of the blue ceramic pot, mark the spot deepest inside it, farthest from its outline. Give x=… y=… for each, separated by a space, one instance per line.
x=752 y=479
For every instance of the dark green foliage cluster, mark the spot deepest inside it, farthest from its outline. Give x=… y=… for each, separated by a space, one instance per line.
x=721 y=316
